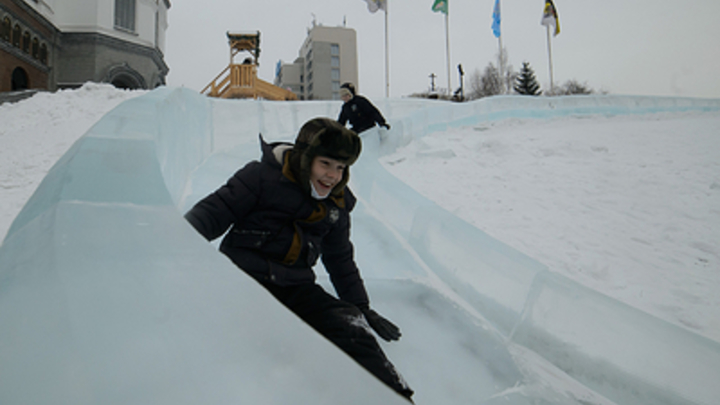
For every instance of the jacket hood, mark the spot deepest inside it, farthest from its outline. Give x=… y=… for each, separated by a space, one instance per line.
x=273 y=152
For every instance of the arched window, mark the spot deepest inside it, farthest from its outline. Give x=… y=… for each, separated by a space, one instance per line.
x=35 y=48
x=6 y=29
x=17 y=33
x=43 y=54
x=26 y=42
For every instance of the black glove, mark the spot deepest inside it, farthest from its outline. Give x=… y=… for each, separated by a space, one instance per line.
x=384 y=328
x=386 y=125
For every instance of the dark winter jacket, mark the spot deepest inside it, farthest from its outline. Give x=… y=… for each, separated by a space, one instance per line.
x=277 y=230
x=361 y=114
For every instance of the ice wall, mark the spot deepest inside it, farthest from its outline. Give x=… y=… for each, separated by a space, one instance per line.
x=622 y=353
x=108 y=296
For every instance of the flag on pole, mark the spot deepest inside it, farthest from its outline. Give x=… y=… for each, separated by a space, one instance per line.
x=550 y=17
x=496 y=19
x=440 y=6
x=375 y=5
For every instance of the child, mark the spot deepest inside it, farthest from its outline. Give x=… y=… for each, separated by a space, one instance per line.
x=286 y=211
x=357 y=109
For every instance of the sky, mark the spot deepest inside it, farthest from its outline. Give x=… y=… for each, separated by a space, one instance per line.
x=641 y=47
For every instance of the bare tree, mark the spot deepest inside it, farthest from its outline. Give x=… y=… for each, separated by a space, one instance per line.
x=573 y=87
x=507 y=71
x=485 y=84
x=491 y=81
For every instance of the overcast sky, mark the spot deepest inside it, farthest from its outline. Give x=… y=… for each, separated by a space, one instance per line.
x=637 y=47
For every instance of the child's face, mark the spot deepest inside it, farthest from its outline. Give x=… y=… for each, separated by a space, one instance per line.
x=325 y=173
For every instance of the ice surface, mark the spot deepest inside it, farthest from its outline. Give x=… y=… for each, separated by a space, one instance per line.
x=108 y=296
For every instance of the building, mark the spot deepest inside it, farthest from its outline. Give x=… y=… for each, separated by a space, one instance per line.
x=327 y=58
x=52 y=44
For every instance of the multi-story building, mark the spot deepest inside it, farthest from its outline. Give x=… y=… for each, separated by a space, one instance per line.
x=327 y=58
x=51 y=44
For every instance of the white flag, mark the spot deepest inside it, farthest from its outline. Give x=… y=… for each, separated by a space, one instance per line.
x=375 y=5
x=550 y=17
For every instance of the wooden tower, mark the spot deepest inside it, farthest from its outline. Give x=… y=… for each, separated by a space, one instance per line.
x=239 y=80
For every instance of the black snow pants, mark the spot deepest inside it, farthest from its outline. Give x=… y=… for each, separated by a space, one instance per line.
x=343 y=324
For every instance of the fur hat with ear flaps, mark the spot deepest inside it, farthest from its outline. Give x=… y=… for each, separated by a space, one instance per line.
x=324 y=137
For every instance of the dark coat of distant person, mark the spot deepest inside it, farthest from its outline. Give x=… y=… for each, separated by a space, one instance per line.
x=359 y=111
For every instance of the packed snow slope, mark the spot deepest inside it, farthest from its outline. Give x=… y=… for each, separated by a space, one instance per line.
x=108 y=296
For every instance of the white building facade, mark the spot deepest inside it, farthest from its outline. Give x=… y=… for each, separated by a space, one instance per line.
x=113 y=41
x=326 y=59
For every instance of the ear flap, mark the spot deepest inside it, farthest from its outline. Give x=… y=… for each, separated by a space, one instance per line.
x=337 y=191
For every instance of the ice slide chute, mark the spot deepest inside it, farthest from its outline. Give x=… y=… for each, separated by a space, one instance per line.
x=108 y=296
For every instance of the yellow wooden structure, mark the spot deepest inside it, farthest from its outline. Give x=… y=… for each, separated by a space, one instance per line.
x=239 y=80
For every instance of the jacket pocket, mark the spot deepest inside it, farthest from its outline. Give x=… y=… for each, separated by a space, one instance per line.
x=250 y=238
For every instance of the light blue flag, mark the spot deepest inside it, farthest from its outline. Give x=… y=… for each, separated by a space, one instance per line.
x=496 y=19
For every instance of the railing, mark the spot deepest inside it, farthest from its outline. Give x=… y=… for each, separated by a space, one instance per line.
x=240 y=81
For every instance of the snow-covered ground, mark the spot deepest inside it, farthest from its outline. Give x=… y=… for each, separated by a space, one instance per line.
x=626 y=205
x=35 y=132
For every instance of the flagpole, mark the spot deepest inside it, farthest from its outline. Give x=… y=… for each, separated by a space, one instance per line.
x=550 y=58
x=500 y=65
x=447 y=51
x=387 y=55
x=498 y=34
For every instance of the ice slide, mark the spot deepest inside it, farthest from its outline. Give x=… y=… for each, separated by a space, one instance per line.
x=107 y=296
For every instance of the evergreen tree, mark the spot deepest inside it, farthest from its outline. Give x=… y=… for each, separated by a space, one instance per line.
x=526 y=83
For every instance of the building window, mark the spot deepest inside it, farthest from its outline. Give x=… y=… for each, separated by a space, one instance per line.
x=335 y=61
x=43 y=54
x=334 y=49
x=336 y=86
x=35 y=48
x=26 y=42
x=125 y=14
x=6 y=29
x=335 y=74
x=17 y=34
x=309 y=66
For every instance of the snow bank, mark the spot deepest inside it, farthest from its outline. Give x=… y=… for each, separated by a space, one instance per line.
x=36 y=132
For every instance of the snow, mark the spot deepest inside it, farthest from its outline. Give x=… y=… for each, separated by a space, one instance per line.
x=595 y=271
x=627 y=205
x=36 y=132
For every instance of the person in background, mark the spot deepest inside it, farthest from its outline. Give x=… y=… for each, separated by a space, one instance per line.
x=357 y=109
x=286 y=211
